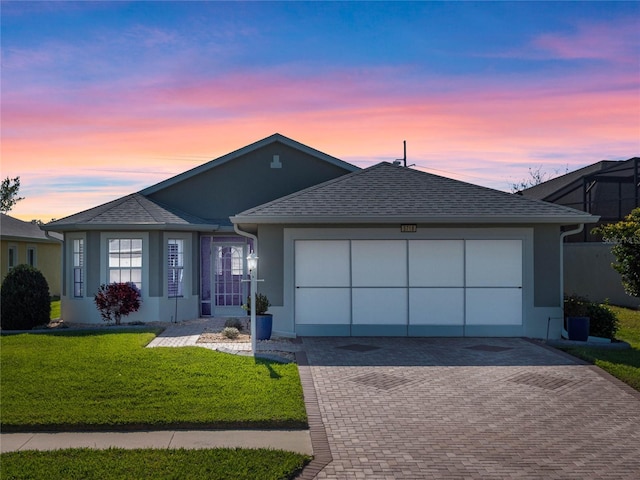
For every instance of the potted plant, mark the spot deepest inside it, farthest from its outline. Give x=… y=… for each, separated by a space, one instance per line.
x=576 y=314
x=264 y=320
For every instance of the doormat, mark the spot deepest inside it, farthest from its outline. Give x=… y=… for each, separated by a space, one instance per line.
x=358 y=347
x=488 y=348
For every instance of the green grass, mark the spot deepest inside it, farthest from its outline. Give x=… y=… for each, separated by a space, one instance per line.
x=114 y=464
x=101 y=380
x=55 y=310
x=623 y=364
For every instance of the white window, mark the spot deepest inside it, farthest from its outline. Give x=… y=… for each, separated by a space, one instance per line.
x=78 y=267
x=125 y=261
x=31 y=256
x=12 y=257
x=175 y=267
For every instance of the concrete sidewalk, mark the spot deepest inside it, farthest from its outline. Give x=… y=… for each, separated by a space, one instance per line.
x=291 y=440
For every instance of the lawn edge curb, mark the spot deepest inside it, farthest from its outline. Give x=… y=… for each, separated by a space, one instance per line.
x=319 y=441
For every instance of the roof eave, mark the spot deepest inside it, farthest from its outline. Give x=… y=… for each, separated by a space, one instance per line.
x=506 y=219
x=71 y=227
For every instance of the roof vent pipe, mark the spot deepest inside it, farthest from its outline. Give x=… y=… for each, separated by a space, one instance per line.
x=404 y=159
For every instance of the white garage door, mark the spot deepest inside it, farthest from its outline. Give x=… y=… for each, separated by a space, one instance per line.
x=408 y=287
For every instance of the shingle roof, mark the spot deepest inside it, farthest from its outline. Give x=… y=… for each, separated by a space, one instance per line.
x=133 y=211
x=17 y=229
x=386 y=193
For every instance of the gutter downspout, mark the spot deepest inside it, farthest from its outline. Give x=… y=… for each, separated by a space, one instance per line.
x=579 y=229
x=242 y=233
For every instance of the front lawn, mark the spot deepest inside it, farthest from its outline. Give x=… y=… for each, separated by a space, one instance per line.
x=623 y=364
x=115 y=464
x=101 y=380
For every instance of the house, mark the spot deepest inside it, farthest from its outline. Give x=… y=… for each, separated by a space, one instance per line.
x=609 y=189
x=24 y=242
x=385 y=250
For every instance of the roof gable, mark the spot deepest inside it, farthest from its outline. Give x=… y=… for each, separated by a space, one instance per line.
x=276 y=137
x=386 y=193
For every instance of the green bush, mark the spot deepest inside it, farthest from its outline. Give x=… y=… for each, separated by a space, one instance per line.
x=25 y=299
x=233 y=323
x=231 y=332
x=602 y=320
x=262 y=304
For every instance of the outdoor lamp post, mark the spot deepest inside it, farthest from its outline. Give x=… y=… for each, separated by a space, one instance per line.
x=252 y=265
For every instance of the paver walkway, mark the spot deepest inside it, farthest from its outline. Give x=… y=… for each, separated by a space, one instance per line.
x=469 y=408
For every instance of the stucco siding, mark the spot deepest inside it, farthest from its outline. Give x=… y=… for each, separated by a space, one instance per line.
x=247 y=181
x=48 y=259
x=588 y=273
x=546 y=266
x=270 y=268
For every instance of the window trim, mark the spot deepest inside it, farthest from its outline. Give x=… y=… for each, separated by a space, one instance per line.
x=104 y=256
x=34 y=249
x=11 y=264
x=186 y=263
x=81 y=268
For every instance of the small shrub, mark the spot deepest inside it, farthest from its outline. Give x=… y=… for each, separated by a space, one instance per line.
x=602 y=321
x=117 y=300
x=233 y=323
x=231 y=332
x=25 y=299
x=262 y=304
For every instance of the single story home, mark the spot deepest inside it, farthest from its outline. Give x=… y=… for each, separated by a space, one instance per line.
x=24 y=243
x=385 y=250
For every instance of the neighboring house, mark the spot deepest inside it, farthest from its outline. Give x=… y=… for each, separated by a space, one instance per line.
x=382 y=251
x=25 y=242
x=609 y=189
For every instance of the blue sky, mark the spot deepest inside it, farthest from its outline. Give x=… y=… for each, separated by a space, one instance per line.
x=101 y=99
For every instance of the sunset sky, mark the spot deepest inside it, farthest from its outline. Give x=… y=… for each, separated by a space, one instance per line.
x=102 y=99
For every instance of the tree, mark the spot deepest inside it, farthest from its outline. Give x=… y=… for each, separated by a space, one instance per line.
x=25 y=299
x=117 y=300
x=536 y=177
x=9 y=193
x=625 y=235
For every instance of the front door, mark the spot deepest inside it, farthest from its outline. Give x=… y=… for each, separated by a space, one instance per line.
x=228 y=267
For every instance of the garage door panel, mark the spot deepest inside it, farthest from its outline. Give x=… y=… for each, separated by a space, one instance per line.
x=436 y=306
x=494 y=263
x=494 y=306
x=379 y=306
x=436 y=263
x=323 y=263
x=379 y=263
x=323 y=306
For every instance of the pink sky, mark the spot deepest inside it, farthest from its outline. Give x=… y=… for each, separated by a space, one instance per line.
x=560 y=98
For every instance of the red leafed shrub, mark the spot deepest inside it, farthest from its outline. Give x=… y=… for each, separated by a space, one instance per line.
x=117 y=300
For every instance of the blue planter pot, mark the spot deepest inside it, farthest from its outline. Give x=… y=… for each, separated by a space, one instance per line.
x=264 y=324
x=578 y=328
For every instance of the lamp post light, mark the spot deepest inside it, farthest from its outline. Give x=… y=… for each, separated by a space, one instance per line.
x=252 y=265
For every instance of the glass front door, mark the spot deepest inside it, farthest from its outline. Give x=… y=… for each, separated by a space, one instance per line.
x=228 y=272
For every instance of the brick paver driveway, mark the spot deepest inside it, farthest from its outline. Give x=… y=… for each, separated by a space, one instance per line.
x=469 y=408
